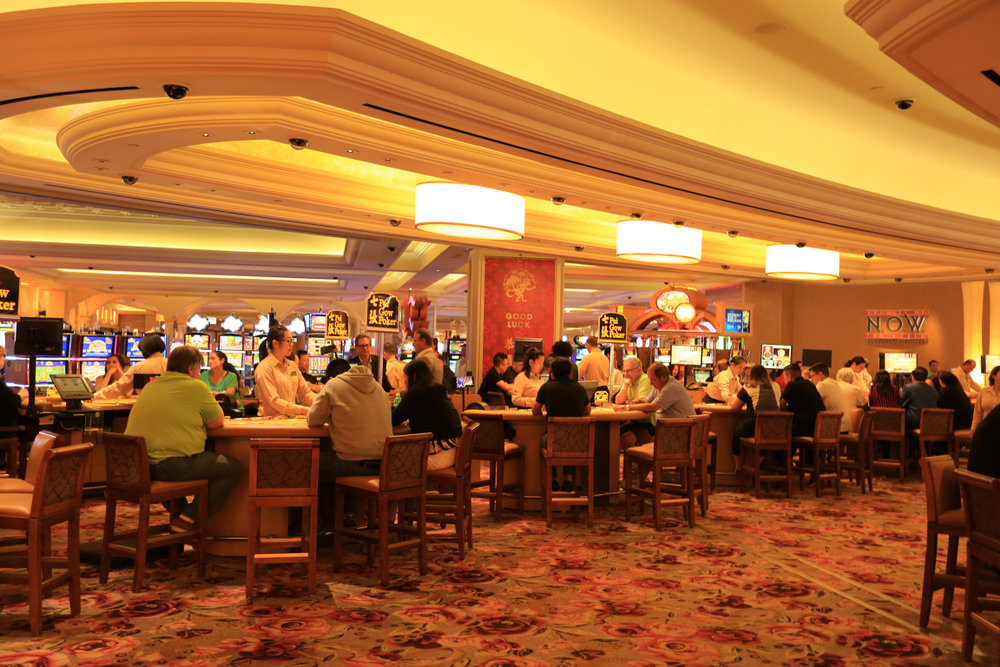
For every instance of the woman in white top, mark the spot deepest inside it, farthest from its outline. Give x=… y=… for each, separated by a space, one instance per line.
x=759 y=394
x=279 y=381
x=153 y=363
x=526 y=384
x=987 y=399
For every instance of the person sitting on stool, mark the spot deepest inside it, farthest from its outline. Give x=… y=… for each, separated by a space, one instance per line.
x=561 y=397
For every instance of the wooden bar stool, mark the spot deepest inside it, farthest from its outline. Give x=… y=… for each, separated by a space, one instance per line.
x=772 y=433
x=675 y=445
x=403 y=475
x=981 y=500
x=963 y=438
x=935 y=426
x=491 y=446
x=454 y=508
x=128 y=480
x=283 y=473
x=570 y=442
x=857 y=452
x=44 y=441
x=55 y=499
x=889 y=425
x=825 y=445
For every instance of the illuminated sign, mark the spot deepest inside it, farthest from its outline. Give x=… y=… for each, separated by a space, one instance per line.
x=685 y=355
x=900 y=325
x=197 y=322
x=775 y=356
x=297 y=326
x=263 y=324
x=132 y=346
x=232 y=324
x=382 y=313
x=10 y=288
x=737 y=321
x=612 y=328
x=316 y=322
x=337 y=325
x=97 y=346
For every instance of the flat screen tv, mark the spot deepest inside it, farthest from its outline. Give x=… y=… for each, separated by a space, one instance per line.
x=897 y=362
x=685 y=355
x=775 y=356
x=702 y=375
x=455 y=347
x=42 y=336
x=97 y=346
x=522 y=344
x=200 y=341
x=989 y=362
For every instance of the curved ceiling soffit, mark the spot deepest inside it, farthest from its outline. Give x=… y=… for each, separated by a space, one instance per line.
x=341 y=60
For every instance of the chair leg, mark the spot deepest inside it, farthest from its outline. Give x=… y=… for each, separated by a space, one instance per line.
x=142 y=539
x=253 y=533
x=971 y=606
x=743 y=477
x=902 y=459
x=590 y=495
x=521 y=485
x=501 y=482
x=818 y=469
x=715 y=444
x=930 y=566
x=627 y=475
x=109 y=537
x=312 y=511
x=35 y=576
x=173 y=513
x=422 y=532
x=338 y=524
x=689 y=474
x=202 y=533
x=657 y=492
x=383 y=538
x=373 y=515
x=951 y=564
x=458 y=490
x=756 y=471
x=836 y=465
x=547 y=492
x=73 y=561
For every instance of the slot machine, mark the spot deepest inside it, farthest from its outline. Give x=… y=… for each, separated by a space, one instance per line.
x=47 y=366
x=92 y=351
x=232 y=346
x=132 y=348
x=203 y=343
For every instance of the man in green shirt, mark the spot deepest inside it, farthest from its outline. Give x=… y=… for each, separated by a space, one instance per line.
x=172 y=413
x=636 y=387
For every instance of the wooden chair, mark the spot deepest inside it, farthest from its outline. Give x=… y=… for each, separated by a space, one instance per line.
x=44 y=441
x=128 y=480
x=454 y=508
x=703 y=424
x=675 y=445
x=713 y=445
x=772 y=433
x=825 y=446
x=944 y=517
x=403 y=475
x=491 y=446
x=12 y=446
x=981 y=500
x=15 y=440
x=55 y=499
x=935 y=426
x=963 y=438
x=858 y=452
x=283 y=473
x=570 y=442
x=889 y=425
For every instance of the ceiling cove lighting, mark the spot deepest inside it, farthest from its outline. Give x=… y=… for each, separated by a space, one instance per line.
x=658 y=242
x=199 y=275
x=469 y=211
x=802 y=263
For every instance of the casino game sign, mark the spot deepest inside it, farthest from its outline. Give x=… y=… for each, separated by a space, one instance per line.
x=612 y=328
x=337 y=325
x=382 y=313
x=10 y=288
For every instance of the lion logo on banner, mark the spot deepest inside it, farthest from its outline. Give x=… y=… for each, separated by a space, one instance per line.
x=518 y=283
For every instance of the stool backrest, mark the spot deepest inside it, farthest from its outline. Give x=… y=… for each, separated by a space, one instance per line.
x=489 y=437
x=60 y=480
x=773 y=428
x=981 y=499
x=940 y=485
x=828 y=428
x=44 y=441
x=571 y=437
x=676 y=439
x=404 y=461
x=463 y=453
x=888 y=422
x=127 y=463
x=865 y=427
x=284 y=467
x=936 y=421
x=702 y=426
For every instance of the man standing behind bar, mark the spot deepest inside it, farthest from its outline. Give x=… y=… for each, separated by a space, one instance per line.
x=423 y=345
x=594 y=366
x=172 y=413
x=970 y=386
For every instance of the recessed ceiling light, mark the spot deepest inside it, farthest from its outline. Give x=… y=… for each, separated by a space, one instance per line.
x=205 y=134
x=251 y=132
x=388 y=159
x=351 y=150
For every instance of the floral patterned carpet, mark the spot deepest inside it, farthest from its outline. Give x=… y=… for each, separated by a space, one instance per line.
x=804 y=582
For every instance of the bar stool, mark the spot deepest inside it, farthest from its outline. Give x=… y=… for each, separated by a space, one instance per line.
x=772 y=433
x=675 y=445
x=44 y=441
x=54 y=500
x=889 y=425
x=981 y=500
x=963 y=437
x=128 y=480
x=570 y=442
x=825 y=445
x=456 y=507
x=12 y=446
x=491 y=446
x=857 y=452
x=403 y=475
x=283 y=473
x=935 y=426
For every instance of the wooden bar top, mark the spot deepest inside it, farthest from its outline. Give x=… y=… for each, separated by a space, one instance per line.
x=599 y=414
x=266 y=427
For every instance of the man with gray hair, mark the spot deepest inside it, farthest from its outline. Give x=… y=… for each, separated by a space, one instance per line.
x=636 y=386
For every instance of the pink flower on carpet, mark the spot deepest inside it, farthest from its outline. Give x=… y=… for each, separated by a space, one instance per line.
x=204 y=661
x=824 y=660
x=870 y=578
x=796 y=634
x=289 y=628
x=902 y=537
x=469 y=576
x=887 y=647
x=567 y=564
x=34 y=659
x=659 y=584
x=239 y=643
x=147 y=608
x=427 y=614
x=217 y=596
x=193 y=632
x=607 y=592
x=571 y=579
x=497 y=645
x=417 y=639
x=876 y=560
x=730 y=636
x=624 y=630
x=562 y=551
x=707 y=581
x=305 y=610
x=731 y=601
x=358 y=616
x=252 y=611
x=795 y=605
x=607 y=546
x=585 y=654
x=271 y=651
x=665 y=560
x=685 y=651
x=785 y=590
x=109 y=627
x=479 y=604
x=621 y=609
x=826 y=620
x=101 y=600
x=706 y=551
x=503 y=624
x=513 y=662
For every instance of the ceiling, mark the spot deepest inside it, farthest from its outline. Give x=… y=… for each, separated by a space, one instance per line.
x=774 y=119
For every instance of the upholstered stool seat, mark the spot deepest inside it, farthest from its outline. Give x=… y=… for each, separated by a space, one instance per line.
x=43 y=442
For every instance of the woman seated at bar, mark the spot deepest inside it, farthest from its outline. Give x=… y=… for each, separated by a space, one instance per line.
x=526 y=383
x=884 y=392
x=278 y=379
x=759 y=394
x=114 y=369
x=987 y=399
x=429 y=409
x=846 y=379
x=953 y=397
x=153 y=363
x=221 y=377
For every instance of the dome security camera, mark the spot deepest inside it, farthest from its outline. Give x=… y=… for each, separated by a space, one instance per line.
x=635 y=216
x=679 y=223
x=580 y=248
x=847 y=280
x=800 y=244
x=725 y=267
x=175 y=92
x=732 y=234
x=990 y=270
x=130 y=180
x=869 y=255
x=904 y=105
x=395 y=223
x=392 y=248
x=558 y=201
x=898 y=280
x=298 y=144
x=381 y=265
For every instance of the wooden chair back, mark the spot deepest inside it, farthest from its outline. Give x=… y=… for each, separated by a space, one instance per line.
x=463 y=452
x=865 y=427
x=127 y=463
x=773 y=429
x=888 y=423
x=404 y=461
x=489 y=437
x=677 y=440
x=828 y=428
x=936 y=421
x=703 y=426
x=941 y=485
x=981 y=499
x=284 y=467
x=44 y=441
x=570 y=437
x=60 y=480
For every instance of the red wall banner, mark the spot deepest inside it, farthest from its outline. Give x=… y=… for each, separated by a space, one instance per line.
x=518 y=301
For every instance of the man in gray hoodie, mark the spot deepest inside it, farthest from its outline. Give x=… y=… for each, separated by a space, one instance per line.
x=360 y=419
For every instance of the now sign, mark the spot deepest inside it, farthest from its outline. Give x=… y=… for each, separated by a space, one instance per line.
x=896 y=324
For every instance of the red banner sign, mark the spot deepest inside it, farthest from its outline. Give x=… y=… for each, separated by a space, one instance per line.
x=518 y=300
x=896 y=336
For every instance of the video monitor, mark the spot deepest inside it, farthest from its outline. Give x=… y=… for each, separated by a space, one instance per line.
x=42 y=336
x=464 y=381
x=132 y=347
x=455 y=347
x=73 y=389
x=97 y=346
x=230 y=342
x=200 y=341
x=45 y=369
x=685 y=355
x=737 y=321
x=702 y=375
x=590 y=387
x=521 y=345
x=775 y=356
x=92 y=369
x=898 y=362
x=989 y=362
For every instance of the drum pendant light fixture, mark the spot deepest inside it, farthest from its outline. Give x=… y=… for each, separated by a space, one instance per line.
x=469 y=211
x=659 y=242
x=797 y=262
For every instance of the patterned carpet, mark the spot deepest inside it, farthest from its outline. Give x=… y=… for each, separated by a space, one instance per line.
x=803 y=582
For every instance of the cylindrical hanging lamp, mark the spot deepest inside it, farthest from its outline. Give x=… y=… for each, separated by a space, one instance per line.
x=469 y=211
x=802 y=263
x=660 y=242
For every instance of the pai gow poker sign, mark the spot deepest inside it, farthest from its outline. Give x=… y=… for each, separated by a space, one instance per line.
x=518 y=298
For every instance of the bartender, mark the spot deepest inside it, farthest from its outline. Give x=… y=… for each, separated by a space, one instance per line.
x=724 y=386
x=278 y=379
x=153 y=363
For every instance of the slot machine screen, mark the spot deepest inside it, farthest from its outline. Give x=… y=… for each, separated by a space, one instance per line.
x=686 y=355
x=248 y=343
x=92 y=369
x=316 y=346
x=200 y=341
x=455 y=347
x=229 y=342
x=132 y=347
x=775 y=356
x=45 y=369
x=317 y=365
x=97 y=346
x=248 y=358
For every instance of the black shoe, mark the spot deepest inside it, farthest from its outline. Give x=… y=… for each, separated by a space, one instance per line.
x=568 y=486
x=555 y=485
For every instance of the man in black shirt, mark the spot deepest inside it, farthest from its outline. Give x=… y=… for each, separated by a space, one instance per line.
x=494 y=380
x=803 y=400
x=984 y=453
x=302 y=358
x=562 y=348
x=561 y=397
